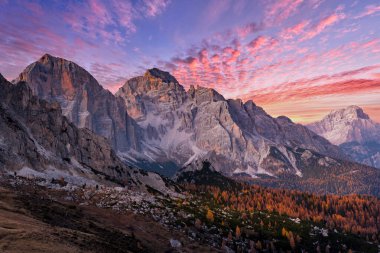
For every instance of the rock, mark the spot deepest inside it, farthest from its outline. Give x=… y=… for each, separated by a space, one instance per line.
x=175 y=243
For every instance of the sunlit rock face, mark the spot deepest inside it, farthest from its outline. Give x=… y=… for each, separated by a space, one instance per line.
x=353 y=130
x=34 y=135
x=84 y=102
x=235 y=137
x=152 y=118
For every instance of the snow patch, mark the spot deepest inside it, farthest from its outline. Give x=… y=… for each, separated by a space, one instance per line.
x=252 y=172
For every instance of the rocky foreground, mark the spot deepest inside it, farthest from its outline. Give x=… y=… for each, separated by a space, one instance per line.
x=36 y=218
x=39 y=215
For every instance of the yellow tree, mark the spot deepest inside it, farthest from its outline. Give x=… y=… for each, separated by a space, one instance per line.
x=284 y=232
x=291 y=240
x=210 y=215
x=237 y=232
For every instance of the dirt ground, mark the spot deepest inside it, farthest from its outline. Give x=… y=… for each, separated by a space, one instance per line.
x=32 y=222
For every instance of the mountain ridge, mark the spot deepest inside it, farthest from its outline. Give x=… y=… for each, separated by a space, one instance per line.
x=173 y=128
x=179 y=119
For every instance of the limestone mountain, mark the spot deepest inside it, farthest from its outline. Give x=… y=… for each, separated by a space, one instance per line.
x=83 y=100
x=155 y=124
x=353 y=130
x=36 y=140
x=235 y=137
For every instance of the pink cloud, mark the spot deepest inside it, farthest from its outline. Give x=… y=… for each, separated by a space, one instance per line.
x=281 y=10
x=299 y=103
x=126 y=14
x=290 y=32
x=247 y=29
x=322 y=25
x=257 y=43
x=316 y=3
x=112 y=20
x=369 y=10
x=153 y=8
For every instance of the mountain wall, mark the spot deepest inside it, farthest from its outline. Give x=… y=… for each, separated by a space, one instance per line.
x=83 y=101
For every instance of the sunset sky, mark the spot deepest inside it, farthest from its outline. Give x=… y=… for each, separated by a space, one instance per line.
x=300 y=58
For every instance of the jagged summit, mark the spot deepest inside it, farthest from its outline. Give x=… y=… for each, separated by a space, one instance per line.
x=351 y=112
x=345 y=125
x=163 y=75
x=82 y=99
x=48 y=57
x=50 y=76
x=354 y=131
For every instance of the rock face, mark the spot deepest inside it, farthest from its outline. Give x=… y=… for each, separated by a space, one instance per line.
x=37 y=140
x=235 y=137
x=353 y=130
x=34 y=135
x=84 y=102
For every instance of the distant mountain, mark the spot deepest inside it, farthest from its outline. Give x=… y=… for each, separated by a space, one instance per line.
x=353 y=130
x=36 y=140
x=84 y=102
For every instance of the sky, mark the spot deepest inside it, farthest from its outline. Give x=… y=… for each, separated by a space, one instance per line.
x=299 y=58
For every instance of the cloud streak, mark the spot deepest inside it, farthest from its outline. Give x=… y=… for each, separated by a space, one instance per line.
x=322 y=25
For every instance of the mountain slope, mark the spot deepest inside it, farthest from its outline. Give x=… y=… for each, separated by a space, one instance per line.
x=235 y=137
x=83 y=101
x=353 y=130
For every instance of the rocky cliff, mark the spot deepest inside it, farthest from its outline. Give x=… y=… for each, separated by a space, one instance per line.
x=84 y=102
x=35 y=136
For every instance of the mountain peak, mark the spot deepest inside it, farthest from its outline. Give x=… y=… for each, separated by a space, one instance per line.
x=163 y=75
x=47 y=57
x=350 y=124
x=351 y=112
